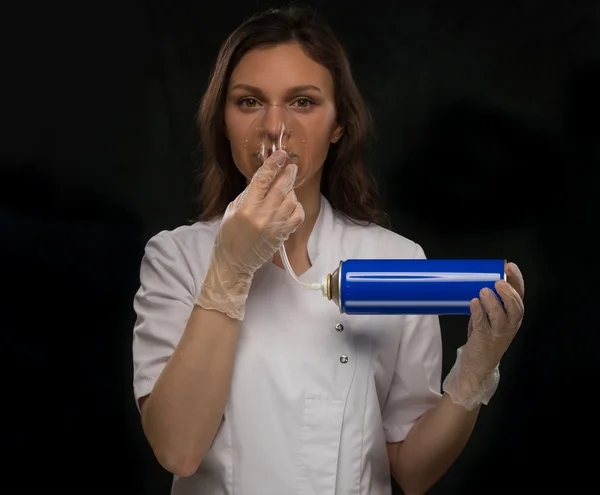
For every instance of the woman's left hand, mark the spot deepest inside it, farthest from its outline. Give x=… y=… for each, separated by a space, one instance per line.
x=493 y=324
x=492 y=327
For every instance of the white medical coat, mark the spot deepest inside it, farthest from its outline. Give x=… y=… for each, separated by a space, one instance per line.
x=315 y=394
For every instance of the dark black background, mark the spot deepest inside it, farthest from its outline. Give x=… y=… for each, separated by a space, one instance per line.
x=487 y=145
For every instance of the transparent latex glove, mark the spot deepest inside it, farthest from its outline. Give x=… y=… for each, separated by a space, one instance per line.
x=253 y=228
x=474 y=378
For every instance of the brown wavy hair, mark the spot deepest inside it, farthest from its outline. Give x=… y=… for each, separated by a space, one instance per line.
x=346 y=181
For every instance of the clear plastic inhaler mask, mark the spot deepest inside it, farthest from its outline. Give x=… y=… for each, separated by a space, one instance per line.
x=276 y=127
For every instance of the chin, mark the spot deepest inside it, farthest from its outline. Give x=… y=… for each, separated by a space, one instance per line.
x=308 y=182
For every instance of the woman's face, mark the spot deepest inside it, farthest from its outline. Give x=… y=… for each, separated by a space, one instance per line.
x=279 y=97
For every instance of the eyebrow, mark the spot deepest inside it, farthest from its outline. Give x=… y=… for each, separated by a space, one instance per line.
x=295 y=89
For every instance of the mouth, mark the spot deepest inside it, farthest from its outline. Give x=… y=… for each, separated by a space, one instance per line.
x=263 y=156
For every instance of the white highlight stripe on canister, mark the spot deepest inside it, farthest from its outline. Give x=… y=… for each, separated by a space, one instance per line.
x=421 y=277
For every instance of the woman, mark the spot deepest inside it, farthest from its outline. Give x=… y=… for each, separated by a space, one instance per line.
x=246 y=382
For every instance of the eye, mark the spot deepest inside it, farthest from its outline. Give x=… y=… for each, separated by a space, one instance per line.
x=248 y=103
x=303 y=103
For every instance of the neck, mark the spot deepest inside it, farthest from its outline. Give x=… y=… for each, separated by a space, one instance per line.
x=310 y=199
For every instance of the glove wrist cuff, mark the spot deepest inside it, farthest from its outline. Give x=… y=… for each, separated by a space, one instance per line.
x=225 y=294
x=467 y=389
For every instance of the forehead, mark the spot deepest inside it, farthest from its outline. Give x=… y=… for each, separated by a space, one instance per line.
x=279 y=67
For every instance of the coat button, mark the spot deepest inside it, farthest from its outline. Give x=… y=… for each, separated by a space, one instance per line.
x=339 y=327
x=343 y=359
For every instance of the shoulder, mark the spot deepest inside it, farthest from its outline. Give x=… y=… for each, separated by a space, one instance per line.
x=198 y=235
x=374 y=241
x=187 y=247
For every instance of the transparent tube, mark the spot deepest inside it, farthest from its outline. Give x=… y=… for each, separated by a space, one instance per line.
x=275 y=127
x=322 y=286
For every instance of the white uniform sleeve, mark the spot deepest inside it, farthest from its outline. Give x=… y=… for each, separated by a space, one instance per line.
x=162 y=304
x=416 y=384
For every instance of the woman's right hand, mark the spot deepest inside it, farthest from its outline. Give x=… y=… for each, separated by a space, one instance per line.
x=254 y=227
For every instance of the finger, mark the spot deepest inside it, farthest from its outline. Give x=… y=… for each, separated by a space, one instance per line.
x=265 y=175
x=493 y=309
x=479 y=320
x=297 y=217
x=515 y=278
x=281 y=187
x=237 y=202
x=470 y=325
x=513 y=303
x=288 y=206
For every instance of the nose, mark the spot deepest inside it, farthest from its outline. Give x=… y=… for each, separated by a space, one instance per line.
x=274 y=124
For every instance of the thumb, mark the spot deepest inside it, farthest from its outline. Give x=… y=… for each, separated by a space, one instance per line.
x=234 y=205
x=265 y=175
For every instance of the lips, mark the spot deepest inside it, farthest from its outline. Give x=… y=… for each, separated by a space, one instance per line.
x=261 y=156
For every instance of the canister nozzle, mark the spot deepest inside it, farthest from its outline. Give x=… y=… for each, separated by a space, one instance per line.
x=333 y=286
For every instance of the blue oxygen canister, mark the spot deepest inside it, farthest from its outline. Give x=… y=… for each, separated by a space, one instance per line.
x=411 y=286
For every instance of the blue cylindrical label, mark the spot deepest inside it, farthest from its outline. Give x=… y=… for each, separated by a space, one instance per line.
x=415 y=286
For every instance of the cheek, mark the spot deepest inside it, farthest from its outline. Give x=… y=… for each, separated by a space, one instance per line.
x=320 y=140
x=236 y=134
